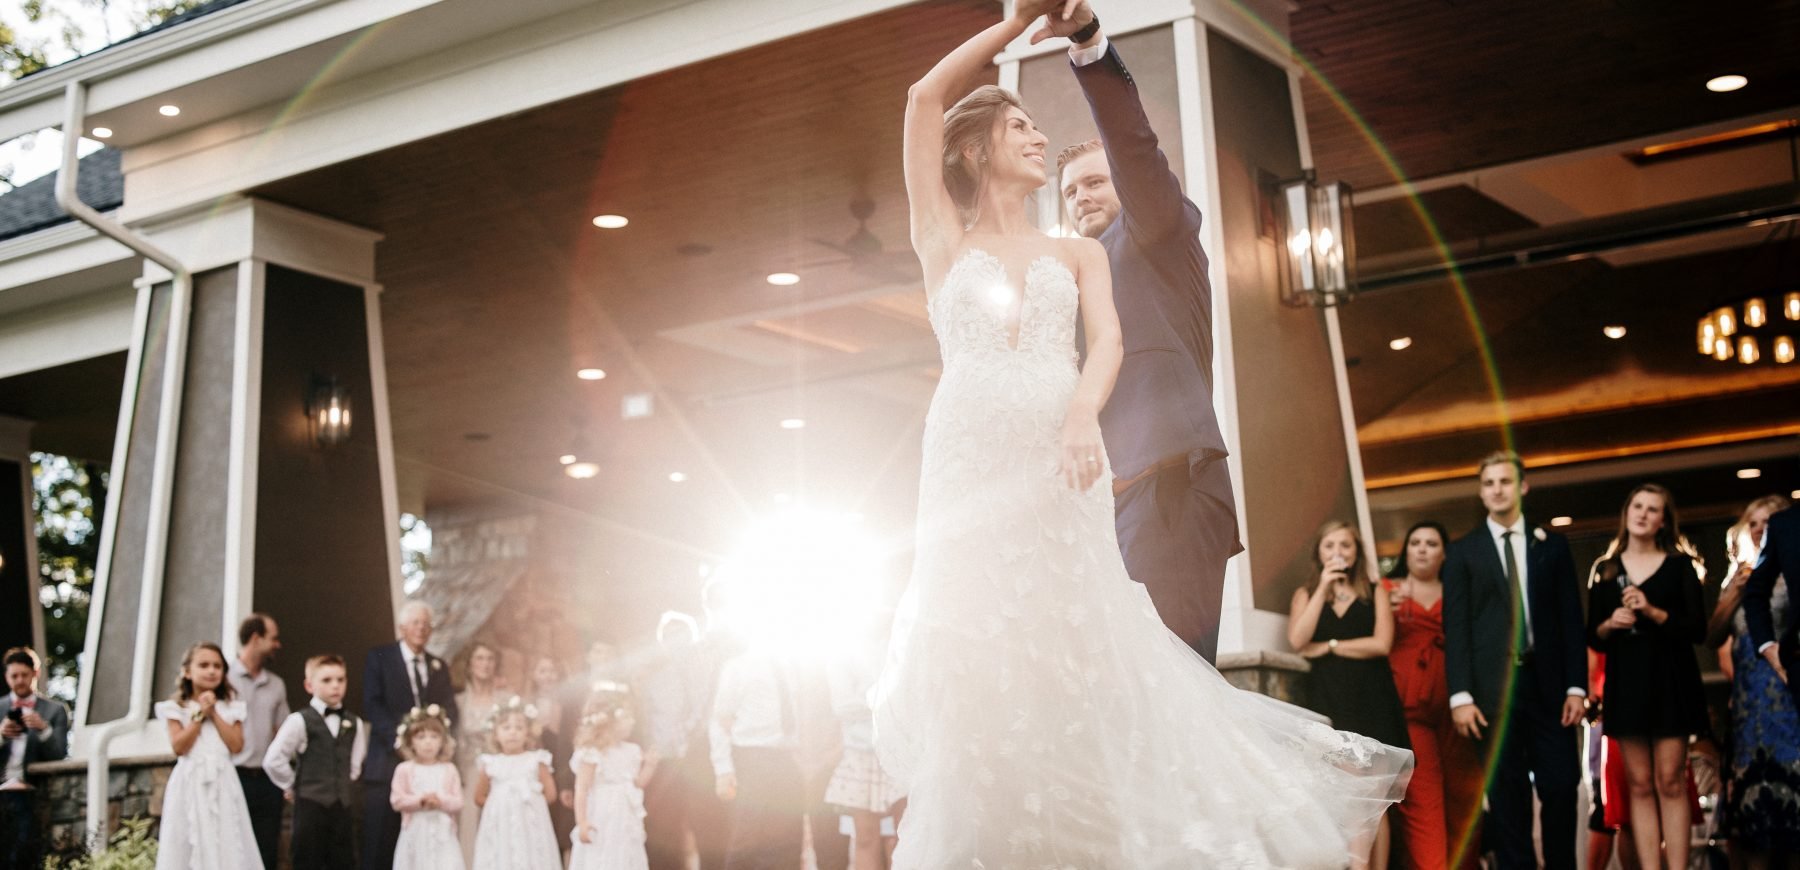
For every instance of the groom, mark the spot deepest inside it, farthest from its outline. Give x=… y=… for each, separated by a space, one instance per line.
x=1176 y=515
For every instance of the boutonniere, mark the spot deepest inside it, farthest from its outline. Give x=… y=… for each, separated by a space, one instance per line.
x=438 y=664
x=349 y=723
x=1539 y=534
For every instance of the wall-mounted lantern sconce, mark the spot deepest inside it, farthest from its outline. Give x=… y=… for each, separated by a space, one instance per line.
x=1318 y=256
x=328 y=412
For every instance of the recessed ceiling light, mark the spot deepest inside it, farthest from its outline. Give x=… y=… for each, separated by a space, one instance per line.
x=567 y=459
x=1725 y=84
x=169 y=111
x=783 y=279
x=1559 y=522
x=1614 y=331
x=1401 y=343
x=676 y=477
x=611 y=221
x=101 y=132
x=1795 y=494
x=793 y=423
x=1749 y=473
x=581 y=470
x=590 y=374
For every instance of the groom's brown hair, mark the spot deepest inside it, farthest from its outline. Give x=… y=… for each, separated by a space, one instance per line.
x=1070 y=153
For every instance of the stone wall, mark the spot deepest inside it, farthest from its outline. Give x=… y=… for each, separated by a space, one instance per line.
x=134 y=790
x=1279 y=675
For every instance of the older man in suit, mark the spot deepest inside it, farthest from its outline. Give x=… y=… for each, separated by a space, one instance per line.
x=1515 y=656
x=1780 y=556
x=33 y=728
x=1176 y=515
x=396 y=678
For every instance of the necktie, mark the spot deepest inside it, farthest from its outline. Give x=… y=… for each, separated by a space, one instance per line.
x=1521 y=618
x=418 y=680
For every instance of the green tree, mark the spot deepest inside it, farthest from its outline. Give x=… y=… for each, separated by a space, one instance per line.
x=65 y=498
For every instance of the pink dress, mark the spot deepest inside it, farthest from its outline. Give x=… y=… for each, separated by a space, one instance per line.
x=427 y=836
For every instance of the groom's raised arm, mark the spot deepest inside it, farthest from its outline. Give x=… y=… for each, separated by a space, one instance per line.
x=1150 y=197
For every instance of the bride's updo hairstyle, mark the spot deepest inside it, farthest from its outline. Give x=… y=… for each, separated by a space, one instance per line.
x=968 y=133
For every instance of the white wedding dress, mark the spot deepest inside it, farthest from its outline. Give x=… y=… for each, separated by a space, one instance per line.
x=1036 y=709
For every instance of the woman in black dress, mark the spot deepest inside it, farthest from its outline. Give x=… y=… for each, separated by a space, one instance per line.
x=1645 y=613
x=1344 y=624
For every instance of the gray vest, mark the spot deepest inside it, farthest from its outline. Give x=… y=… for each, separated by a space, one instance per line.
x=324 y=770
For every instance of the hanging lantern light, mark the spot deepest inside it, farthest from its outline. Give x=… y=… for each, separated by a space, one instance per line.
x=1748 y=352
x=1723 y=349
x=1726 y=318
x=1790 y=305
x=1784 y=349
x=1707 y=334
x=1756 y=312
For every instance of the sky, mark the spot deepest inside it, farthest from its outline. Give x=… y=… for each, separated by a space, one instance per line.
x=35 y=155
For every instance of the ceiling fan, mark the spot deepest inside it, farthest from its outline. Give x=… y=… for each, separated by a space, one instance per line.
x=865 y=254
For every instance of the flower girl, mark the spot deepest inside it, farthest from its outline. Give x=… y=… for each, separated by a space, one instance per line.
x=514 y=789
x=205 y=824
x=427 y=792
x=610 y=774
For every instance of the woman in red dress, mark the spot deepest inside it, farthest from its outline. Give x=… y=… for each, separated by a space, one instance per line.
x=1438 y=817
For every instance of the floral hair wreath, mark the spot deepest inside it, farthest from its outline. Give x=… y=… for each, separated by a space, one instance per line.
x=615 y=693
x=514 y=704
x=415 y=716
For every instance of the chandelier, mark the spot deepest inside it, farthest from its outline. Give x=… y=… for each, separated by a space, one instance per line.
x=1749 y=329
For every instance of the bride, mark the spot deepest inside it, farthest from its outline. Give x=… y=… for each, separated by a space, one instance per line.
x=1038 y=711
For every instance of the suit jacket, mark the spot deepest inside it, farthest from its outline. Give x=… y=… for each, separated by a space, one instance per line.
x=388 y=697
x=1780 y=555
x=1479 y=605
x=1161 y=406
x=52 y=748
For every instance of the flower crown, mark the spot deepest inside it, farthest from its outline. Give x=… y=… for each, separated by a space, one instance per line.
x=616 y=694
x=416 y=715
x=514 y=704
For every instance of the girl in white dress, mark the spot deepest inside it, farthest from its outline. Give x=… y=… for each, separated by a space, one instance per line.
x=610 y=775
x=205 y=825
x=427 y=792
x=514 y=788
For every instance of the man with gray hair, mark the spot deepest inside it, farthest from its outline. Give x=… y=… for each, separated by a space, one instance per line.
x=396 y=678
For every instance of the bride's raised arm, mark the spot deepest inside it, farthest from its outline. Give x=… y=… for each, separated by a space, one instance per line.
x=937 y=226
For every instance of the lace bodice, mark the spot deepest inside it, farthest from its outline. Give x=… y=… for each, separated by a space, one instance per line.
x=977 y=308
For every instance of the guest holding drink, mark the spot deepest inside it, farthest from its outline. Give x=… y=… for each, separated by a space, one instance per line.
x=1645 y=614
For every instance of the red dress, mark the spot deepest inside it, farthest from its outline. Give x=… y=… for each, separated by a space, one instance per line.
x=1438 y=817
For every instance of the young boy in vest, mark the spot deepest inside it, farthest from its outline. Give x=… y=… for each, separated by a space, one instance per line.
x=316 y=758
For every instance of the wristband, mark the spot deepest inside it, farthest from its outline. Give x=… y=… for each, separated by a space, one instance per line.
x=1086 y=32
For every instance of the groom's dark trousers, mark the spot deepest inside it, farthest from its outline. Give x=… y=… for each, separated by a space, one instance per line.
x=1177 y=518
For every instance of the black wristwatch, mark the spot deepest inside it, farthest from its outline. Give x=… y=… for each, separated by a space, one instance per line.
x=1086 y=33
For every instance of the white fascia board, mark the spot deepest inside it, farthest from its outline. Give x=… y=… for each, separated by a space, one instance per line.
x=500 y=74
x=56 y=254
x=75 y=329
x=209 y=46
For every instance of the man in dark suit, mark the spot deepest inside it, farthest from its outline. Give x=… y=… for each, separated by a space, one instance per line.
x=396 y=678
x=1177 y=517
x=33 y=728
x=1516 y=660
x=1779 y=556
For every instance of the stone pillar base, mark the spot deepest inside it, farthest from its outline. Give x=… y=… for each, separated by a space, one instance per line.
x=134 y=790
x=1280 y=675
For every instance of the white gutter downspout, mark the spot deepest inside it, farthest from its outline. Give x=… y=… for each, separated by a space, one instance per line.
x=168 y=421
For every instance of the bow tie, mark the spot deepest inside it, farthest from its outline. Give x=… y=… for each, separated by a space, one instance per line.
x=334 y=711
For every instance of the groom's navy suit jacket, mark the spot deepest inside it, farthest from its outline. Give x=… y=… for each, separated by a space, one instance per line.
x=1161 y=407
x=1780 y=555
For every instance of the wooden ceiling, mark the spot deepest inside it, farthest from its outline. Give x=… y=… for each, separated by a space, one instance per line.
x=1448 y=85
